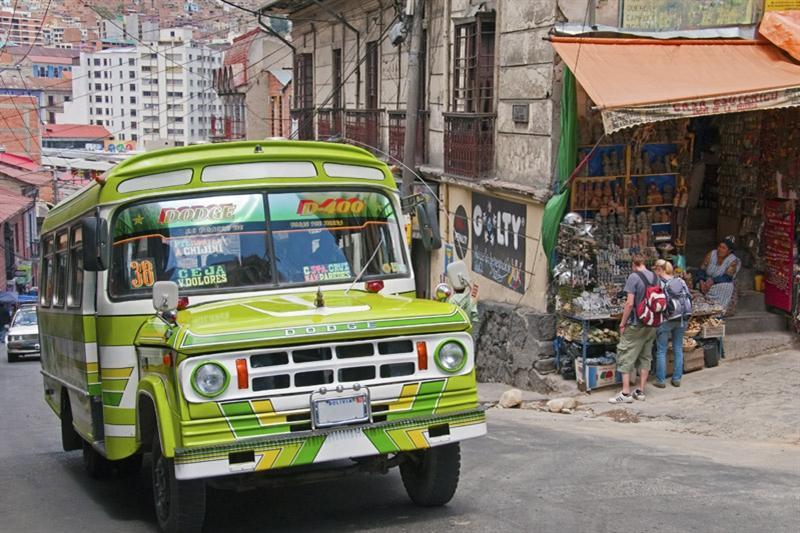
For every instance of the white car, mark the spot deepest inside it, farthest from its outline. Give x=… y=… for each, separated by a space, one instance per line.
x=23 y=334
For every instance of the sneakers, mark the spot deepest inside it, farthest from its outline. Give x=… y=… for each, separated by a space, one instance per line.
x=660 y=384
x=638 y=394
x=621 y=398
x=676 y=383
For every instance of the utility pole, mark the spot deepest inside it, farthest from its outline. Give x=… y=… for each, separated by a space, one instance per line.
x=412 y=98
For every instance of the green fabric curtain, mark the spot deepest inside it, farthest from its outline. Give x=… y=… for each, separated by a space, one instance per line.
x=567 y=157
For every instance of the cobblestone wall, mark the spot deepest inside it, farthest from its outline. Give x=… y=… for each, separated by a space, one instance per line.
x=514 y=346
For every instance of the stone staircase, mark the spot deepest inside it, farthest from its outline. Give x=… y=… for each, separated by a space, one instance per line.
x=754 y=330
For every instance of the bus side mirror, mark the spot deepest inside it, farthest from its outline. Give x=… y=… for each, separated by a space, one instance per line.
x=428 y=222
x=95 y=244
x=165 y=296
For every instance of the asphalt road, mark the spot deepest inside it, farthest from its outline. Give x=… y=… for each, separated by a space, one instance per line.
x=527 y=475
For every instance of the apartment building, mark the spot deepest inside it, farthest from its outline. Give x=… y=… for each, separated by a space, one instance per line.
x=159 y=90
x=106 y=92
x=178 y=97
x=22 y=28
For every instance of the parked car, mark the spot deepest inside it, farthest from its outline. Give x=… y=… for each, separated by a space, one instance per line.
x=23 y=334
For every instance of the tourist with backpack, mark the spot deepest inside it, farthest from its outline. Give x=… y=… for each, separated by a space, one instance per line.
x=676 y=317
x=643 y=313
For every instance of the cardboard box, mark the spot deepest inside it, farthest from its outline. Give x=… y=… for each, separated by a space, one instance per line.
x=596 y=376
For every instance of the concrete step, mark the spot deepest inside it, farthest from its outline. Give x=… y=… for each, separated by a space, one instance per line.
x=743 y=345
x=755 y=322
x=750 y=301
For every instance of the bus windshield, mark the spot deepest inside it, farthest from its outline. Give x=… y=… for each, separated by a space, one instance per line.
x=255 y=239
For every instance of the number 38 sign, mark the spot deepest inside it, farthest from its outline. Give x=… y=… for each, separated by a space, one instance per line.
x=142 y=273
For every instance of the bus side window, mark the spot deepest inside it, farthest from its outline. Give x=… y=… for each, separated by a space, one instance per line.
x=46 y=282
x=60 y=267
x=75 y=290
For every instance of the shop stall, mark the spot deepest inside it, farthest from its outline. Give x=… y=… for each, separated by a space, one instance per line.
x=670 y=137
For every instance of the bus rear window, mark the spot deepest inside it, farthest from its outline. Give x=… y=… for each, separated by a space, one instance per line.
x=199 y=243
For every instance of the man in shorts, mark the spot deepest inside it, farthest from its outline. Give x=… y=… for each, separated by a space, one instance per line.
x=635 y=348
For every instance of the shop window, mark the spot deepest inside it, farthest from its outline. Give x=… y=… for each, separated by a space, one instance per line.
x=60 y=267
x=473 y=66
x=75 y=292
x=46 y=272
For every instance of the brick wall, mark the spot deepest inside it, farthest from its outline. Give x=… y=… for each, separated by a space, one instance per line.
x=20 y=131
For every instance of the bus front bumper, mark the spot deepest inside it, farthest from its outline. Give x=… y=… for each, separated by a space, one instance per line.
x=324 y=445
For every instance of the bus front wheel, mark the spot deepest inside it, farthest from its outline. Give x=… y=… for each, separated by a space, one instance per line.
x=431 y=476
x=180 y=505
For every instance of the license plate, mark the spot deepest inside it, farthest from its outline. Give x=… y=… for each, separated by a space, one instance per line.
x=335 y=409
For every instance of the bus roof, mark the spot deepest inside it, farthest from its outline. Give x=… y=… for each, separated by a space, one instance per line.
x=268 y=163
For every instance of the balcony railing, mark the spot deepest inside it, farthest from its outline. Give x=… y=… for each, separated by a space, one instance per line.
x=469 y=144
x=305 y=123
x=397 y=136
x=329 y=123
x=363 y=126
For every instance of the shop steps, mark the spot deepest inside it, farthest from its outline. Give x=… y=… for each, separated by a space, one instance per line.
x=751 y=301
x=762 y=322
x=744 y=345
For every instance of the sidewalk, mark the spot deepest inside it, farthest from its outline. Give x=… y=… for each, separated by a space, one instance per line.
x=755 y=399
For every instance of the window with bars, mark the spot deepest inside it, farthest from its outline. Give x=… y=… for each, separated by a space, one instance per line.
x=304 y=74
x=473 y=65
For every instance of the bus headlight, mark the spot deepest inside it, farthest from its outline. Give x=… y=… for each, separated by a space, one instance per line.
x=451 y=356
x=210 y=379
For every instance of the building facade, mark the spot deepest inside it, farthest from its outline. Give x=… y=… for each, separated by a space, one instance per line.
x=21 y=27
x=487 y=131
x=254 y=84
x=157 y=91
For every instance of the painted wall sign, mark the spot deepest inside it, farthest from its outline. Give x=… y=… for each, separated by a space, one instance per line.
x=662 y=15
x=461 y=231
x=498 y=240
x=781 y=5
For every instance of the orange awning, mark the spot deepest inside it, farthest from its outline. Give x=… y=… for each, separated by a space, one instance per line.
x=636 y=81
x=782 y=28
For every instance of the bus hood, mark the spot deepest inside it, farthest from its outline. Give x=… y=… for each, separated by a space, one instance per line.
x=296 y=318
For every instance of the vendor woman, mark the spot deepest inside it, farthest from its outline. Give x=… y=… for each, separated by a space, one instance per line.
x=717 y=273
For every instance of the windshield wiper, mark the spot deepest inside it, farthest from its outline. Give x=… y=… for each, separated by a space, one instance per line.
x=358 y=278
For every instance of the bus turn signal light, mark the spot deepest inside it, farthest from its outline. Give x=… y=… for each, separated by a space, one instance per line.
x=242 y=376
x=375 y=286
x=422 y=356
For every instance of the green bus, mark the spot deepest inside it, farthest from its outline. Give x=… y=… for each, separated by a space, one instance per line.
x=245 y=312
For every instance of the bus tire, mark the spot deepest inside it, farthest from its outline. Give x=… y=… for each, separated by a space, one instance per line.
x=431 y=476
x=95 y=464
x=180 y=505
x=70 y=440
x=130 y=466
x=12 y=358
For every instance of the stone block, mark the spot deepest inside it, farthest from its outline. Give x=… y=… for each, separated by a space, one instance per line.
x=527 y=14
x=525 y=48
x=545 y=365
x=523 y=360
x=524 y=159
x=540 y=117
x=526 y=82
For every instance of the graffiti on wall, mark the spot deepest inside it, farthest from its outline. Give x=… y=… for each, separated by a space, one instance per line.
x=498 y=240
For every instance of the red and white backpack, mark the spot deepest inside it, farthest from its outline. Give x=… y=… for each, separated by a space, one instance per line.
x=650 y=311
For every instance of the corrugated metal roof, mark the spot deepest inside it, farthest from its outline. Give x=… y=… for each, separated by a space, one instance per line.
x=12 y=203
x=75 y=131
